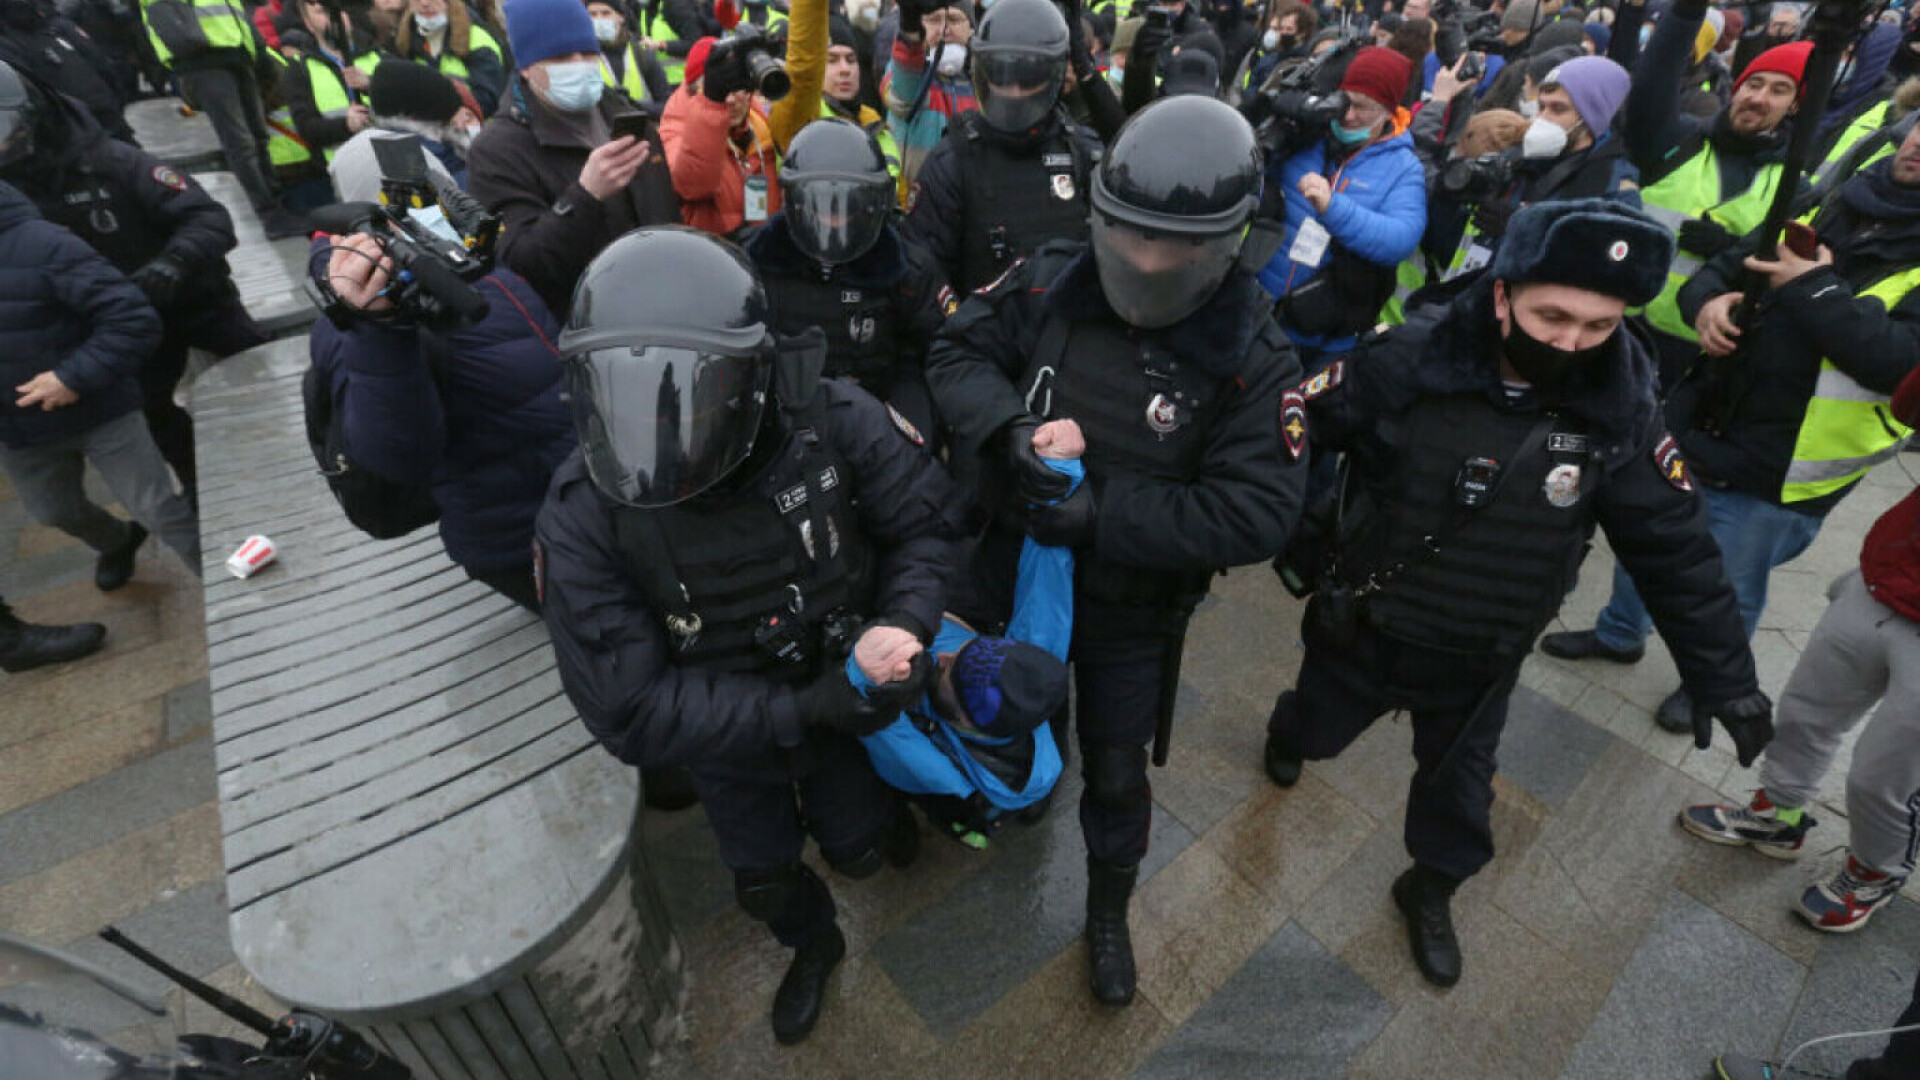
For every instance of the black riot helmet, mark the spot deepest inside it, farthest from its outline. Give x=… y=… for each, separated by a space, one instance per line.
x=19 y=114
x=669 y=358
x=1019 y=63
x=1171 y=204
x=836 y=191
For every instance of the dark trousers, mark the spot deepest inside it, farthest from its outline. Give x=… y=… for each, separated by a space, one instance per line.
x=1342 y=691
x=231 y=99
x=1119 y=667
x=762 y=811
x=1902 y=1058
x=223 y=329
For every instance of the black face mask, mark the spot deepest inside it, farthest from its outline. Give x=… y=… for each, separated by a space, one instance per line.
x=1555 y=373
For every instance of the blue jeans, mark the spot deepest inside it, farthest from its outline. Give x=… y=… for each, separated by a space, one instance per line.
x=1754 y=537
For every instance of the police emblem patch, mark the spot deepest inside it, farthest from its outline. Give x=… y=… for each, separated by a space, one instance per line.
x=1163 y=416
x=1323 y=382
x=1666 y=457
x=946 y=301
x=166 y=177
x=1063 y=187
x=906 y=427
x=1563 y=485
x=1618 y=251
x=1293 y=423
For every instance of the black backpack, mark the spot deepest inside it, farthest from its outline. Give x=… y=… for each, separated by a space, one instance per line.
x=377 y=506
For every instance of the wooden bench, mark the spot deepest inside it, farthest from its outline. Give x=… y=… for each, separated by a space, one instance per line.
x=420 y=835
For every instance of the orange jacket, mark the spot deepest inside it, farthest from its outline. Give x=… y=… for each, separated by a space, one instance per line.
x=709 y=172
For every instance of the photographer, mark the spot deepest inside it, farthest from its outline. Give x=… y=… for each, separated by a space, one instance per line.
x=719 y=148
x=1356 y=205
x=547 y=162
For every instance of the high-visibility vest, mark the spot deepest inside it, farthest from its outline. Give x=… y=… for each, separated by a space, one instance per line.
x=881 y=134
x=1693 y=190
x=1847 y=428
x=224 y=22
x=630 y=80
x=284 y=145
x=330 y=95
x=1408 y=277
x=453 y=67
x=662 y=31
x=1863 y=125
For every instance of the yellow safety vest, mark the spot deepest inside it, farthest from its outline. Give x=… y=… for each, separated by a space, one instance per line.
x=1863 y=125
x=630 y=81
x=453 y=67
x=661 y=30
x=284 y=145
x=1693 y=190
x=1846 y=429
x=1408 y=277
x=224 y=22
x=880 y=132
x=330 y=97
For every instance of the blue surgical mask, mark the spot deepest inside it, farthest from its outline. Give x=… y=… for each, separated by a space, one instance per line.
x=574 y=86
x=1347 y=136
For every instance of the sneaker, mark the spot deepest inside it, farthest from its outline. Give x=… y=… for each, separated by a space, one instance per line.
x=1844 y=902
x=1755 y=825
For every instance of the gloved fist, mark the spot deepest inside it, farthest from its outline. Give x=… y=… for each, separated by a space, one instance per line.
x=910 y=14
x=1491 y=218
x=160 y=279
x=1749 y=720
x=1704 y=237
x=1068 y=523
x=1152 y=36
x=831 y=702
x=1033 y=479
x=726 y=73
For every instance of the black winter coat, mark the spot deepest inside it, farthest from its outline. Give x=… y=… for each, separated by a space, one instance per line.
x=1656 y=524
x=613 y=652
x=525 y=167
x=65 y=309
x=62 y=57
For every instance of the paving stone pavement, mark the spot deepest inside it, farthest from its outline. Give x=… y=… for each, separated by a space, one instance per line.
x=1601 y=944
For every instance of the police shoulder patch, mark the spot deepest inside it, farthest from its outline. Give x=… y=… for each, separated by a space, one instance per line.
x=906 y=427
x=1323 y=382
x=993 y=286
x=1293 y=423
x=166 y=177
x=1672 y=466
x=947 y=301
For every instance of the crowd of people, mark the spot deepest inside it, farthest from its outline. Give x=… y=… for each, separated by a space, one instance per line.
x=811 y=323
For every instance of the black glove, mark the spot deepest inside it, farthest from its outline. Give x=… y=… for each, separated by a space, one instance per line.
x=1749 y=720
x=1256 y=106
x=1068 y=524
x=1033 y=479
x=1151 y=38
x=831 y=702
x=1491 y=218
x=1704 y=237
x=160 y=279
x=910 y=14
x=726 y=72
x=1079 y=55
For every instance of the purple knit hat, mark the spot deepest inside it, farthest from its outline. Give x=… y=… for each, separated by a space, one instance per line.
x=1597 y=86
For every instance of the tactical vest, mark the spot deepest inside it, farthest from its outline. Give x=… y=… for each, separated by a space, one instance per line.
x=1482 y=580
x=1693 y=190
x=1847 y=428
x=629 y=80
x=862 y=325
x=726 y=570
x=1015 y=201
x=1144 y=413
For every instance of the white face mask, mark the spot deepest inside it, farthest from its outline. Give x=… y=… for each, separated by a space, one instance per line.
x=431 y=24
x=574 y=86
x=606 y=31
x=953 y=60
x=1544 y=139
x=1117 y=74
x=866 y=16
x=1270 y=40
x=1529 y=109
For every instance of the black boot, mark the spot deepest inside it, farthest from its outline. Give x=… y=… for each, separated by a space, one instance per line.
x=796 y=1005
x=1109 y=943
x=898 y=845
x=1425 y=898
x=1282 y=768
x=24 y=646
x=114 y=568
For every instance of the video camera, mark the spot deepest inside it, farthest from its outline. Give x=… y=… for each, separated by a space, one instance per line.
x=1480 y=179
x=1461 y=28
x=439 y=238
x=1300 y=100
x=756 y=49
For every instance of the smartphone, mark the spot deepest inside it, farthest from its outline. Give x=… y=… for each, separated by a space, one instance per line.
x=634 y=124
x=1471 y=70
x=1800 y=240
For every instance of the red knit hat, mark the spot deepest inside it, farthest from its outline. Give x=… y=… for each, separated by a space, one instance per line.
x=1381 y=74
x=697 y=60
x=1789 y=60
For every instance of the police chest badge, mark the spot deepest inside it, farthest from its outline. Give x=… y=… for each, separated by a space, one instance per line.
x=1563 y=485
x=1163 y=416
x=1063 y=187
x=1673 y=467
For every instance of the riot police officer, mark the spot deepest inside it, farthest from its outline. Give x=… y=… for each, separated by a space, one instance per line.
x=37 y=39
x=832 y=258
x=1013 y=175
x=729 y=526
x=1156 y=339
x=1485 y=439
x=153 y=224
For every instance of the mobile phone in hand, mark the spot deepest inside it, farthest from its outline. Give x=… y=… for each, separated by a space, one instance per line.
x=1800 y=239
x=634 y=124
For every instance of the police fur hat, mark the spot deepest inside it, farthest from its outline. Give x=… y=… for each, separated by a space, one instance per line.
x=1593 y=244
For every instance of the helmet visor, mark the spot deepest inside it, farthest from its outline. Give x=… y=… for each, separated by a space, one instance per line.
x=659 y=424
x=1017 y=89
x=1153 y=280
x=836 y=219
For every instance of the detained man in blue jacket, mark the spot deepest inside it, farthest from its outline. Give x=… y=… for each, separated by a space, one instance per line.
x=1356 y=205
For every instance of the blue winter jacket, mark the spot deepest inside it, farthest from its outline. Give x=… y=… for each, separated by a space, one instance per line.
x=65 y=309
x=1378 y=210
x=489 y=436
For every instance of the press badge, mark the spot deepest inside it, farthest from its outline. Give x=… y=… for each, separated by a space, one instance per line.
x=756 y=200
x=1478 y=255
x=1310 y=243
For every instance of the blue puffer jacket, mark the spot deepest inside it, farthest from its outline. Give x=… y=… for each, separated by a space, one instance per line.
x=65 y=309
x=1378 y=210
x=489 y=435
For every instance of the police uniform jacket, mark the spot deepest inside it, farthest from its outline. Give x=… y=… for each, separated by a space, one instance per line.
x=129 y=206
x=61 y=56
x=614 y=653
x=1247 y=493
x=1640 y=492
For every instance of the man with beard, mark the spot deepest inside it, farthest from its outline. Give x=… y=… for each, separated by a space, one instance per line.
x=1709 y=180
x=1780 y=432
x=1485 y=440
